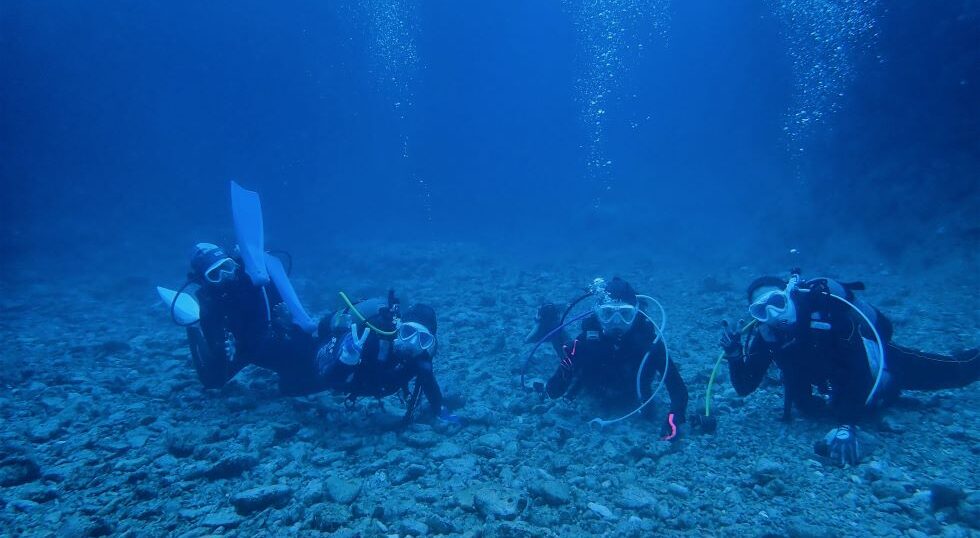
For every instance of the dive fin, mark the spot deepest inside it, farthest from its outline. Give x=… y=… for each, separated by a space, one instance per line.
x=186 y=310
x=288 y=294
x=246 y=210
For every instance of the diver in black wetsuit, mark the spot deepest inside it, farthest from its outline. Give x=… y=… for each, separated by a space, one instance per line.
x=821 y=336
x=604 y=359
x=240 y=323
x=372 y=349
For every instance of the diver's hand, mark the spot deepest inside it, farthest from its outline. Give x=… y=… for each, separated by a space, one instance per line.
x=731 y=338
x=350 y=351
x=840 y=445
x=548 y=318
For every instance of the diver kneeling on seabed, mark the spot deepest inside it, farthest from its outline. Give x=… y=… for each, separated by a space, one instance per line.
x=618 y=354
x=822 y=336
x=244 y=309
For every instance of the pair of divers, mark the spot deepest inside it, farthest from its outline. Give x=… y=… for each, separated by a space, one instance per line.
x=245 y=311
x=833 y=350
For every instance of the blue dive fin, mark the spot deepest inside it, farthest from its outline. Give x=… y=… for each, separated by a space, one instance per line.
x=246 y=210
x=186 y=310
x=288 y=294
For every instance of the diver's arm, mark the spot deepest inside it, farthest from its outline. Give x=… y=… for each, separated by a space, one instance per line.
x=676 y=388
x=430 y=387
x=748 y=368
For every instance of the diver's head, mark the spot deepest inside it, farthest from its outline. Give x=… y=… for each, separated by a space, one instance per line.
x=417 y=331
x=618 y=312
x=211 y=264
x=771 y=302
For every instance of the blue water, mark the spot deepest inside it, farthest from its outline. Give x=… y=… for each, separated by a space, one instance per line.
x=492 y=153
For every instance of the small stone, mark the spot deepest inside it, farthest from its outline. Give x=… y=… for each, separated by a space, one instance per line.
x=678 y=490
x=45 y=430
x=498 y=504
x=231 y=466
x=766 y=470
x=889 y=489
x=440 y=525
x=18 y=469
x=412 y=527
x=634 y=498
x=342 y=491
x=601 y=510
x=552 y=492
x=256 y=499
x=328 y=517
x=446 y=450
x=945 y=493
x=421 y=439
x=224 y=518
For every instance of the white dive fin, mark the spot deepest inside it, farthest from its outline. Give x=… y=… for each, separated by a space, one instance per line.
x=246 y=211
x=186 y=311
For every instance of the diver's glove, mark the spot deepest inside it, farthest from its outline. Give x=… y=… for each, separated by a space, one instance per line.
x=731 y=338
x=548 y=318
x=351 y=347
x=840 y=445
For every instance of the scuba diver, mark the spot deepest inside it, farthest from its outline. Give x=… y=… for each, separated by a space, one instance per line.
x=619 y=347
x=244 y=309
x=821 y=336
x=374 y=349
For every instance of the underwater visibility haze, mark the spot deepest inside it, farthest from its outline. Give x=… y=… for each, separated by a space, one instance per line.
x=478 y=167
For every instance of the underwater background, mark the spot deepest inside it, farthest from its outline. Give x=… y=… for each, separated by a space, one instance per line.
x=483 y=157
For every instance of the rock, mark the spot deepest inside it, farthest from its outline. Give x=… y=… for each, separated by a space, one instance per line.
x=231 y=466
x=23 y=505
x=328 y=517
x=766 y=470
x=889 y=489
x=945 y=493
x=634 y=498
x=969 y=510
x=602 y=511
x=678 y=490
x=224 y=518
x=440 y=525
x=412 y=527
x=498 y=504
x=420 y=439
x=37 y=493
x=256 y=499
x=446 y=450
x=342 y=491
x=81 y=526
x=552 y=492
x=408 y=474
x=18 y=469
x=45 y=430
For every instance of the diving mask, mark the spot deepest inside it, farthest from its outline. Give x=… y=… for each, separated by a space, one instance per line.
x=221 y=270
x=615 y=316
x=774 y=308
x=414 y=338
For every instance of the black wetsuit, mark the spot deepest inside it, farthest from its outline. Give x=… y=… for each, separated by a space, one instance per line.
x=381 y=372
x=826 y=351
x=606 y=366
x=240 y=317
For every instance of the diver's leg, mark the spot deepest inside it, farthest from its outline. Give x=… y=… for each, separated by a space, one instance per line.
x=918 y=370
x=212 y=368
